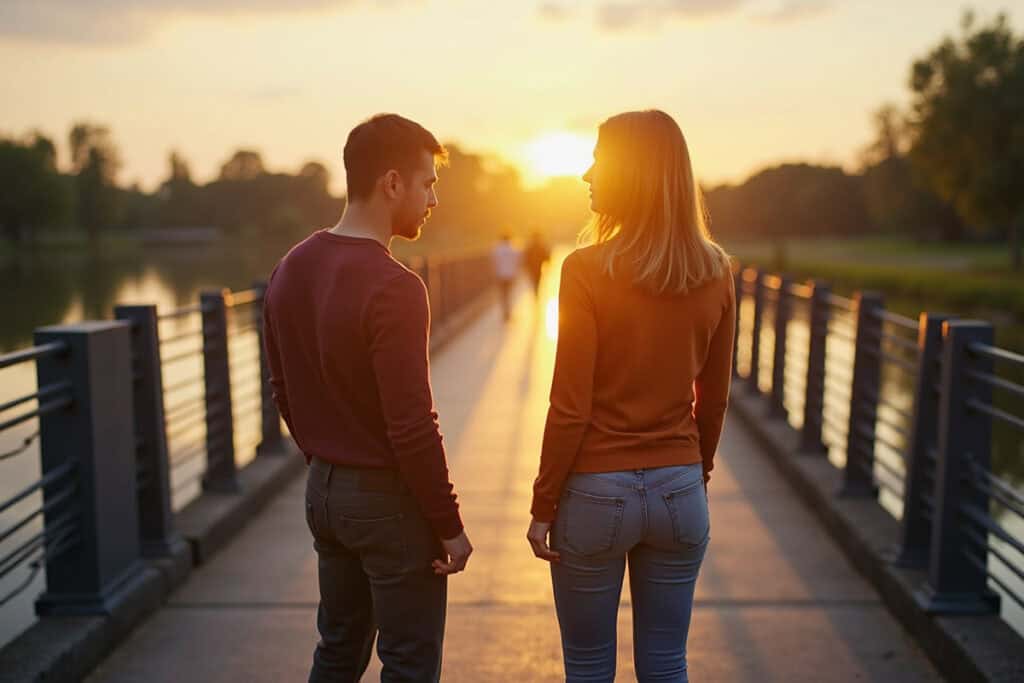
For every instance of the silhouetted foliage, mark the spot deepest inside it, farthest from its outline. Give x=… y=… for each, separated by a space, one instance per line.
x=95 y=162
x=967 y=125
x=897 y=198
x=791 y=199
x=34 y=195
x=245 y=164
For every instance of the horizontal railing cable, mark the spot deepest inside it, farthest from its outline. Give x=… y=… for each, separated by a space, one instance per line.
x=51 y=477
x=996 y=414
x=31 y=354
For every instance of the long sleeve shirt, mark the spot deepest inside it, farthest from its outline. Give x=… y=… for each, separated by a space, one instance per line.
x=641 y=380
x=346 y=329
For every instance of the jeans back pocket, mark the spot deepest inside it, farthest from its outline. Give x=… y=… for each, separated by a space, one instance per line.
x=591 y=523
x=379 y=542
x=688 y=509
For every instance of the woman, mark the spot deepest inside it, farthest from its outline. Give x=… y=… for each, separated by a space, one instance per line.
x=642 y=370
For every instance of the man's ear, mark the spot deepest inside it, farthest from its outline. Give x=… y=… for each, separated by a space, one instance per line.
x=391 y=183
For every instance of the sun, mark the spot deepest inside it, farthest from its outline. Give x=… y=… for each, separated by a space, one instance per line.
x=558 y=154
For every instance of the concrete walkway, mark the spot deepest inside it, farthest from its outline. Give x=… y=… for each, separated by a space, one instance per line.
x=776 y=600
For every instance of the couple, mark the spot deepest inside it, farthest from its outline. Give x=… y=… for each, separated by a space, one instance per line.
x=642 y=370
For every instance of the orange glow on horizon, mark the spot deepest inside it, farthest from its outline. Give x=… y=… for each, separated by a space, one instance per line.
x=558 y=154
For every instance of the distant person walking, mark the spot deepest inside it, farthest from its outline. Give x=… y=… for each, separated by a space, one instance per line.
x=641 y=379
x=506 y=268
x=535 y=256
x=346 y=332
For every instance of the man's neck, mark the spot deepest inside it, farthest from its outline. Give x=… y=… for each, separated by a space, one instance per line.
x=362 y=221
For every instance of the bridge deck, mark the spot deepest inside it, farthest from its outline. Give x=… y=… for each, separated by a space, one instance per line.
x=776 y=600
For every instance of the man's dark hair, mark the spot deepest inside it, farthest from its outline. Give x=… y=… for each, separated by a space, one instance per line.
x=381 y=143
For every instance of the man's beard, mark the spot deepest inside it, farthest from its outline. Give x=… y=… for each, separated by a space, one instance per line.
x=411 y=229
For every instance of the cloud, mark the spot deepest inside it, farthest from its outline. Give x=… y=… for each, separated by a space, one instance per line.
x=555 y=11
x=626 y=15
x=126 y=21
x=621 y=15
x=795 y=10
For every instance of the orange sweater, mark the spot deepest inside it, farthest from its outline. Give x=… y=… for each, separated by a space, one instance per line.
x=641 y=380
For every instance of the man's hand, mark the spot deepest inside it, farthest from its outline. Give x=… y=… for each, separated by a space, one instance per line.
x=537 y=535
x=458 y=550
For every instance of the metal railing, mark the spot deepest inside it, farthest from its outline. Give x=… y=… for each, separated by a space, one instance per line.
x=139 y=416
x=906 y=408
x=25 y=545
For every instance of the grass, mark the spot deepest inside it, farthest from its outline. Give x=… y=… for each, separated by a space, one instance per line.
x=883 y=251
x=966 y=280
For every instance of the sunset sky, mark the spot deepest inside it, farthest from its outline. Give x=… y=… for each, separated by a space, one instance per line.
x=751 y=82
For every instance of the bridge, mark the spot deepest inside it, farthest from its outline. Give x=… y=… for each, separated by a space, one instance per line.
x=859 y=529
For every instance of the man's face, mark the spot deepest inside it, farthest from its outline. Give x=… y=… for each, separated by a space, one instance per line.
x=417 y=199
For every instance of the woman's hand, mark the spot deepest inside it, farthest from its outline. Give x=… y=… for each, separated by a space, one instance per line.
x=538 y=538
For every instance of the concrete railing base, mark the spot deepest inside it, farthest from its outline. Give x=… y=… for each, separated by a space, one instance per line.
x=67 y=648
x=979 y=648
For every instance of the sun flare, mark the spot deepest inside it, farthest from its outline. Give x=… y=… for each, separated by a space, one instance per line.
x=559 y=154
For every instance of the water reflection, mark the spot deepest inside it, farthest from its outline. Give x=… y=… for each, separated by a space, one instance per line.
x=51 y=287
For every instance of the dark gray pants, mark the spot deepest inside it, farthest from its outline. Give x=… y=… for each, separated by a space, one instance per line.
x=374 y=550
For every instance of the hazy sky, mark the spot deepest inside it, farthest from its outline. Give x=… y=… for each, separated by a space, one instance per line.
x=751 y=82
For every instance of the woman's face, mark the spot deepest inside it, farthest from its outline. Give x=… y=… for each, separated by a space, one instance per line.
x=598 y=177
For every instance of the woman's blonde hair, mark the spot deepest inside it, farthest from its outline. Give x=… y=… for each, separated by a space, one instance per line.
x=656 y=223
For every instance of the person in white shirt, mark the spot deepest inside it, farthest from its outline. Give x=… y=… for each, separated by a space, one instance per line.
x=506 y=268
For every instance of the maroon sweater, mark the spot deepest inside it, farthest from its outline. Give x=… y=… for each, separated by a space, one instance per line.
x=346 y=328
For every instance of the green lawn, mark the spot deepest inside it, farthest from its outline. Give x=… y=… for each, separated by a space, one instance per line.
x=967 y=280
x=880 y=251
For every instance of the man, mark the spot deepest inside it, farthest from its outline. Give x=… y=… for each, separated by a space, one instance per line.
x=536 y=255
x=346 y=329
x=506 y=266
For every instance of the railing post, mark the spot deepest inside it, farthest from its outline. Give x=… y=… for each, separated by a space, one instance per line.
x=777 y=406
x=915 y=531
x=157 y=534
x=955 y=585
x=737 y=286
x=755 y=332
x=444 y=277
x=271 y=441
x=221 y=474
x=814 y=386
x=858 y=474
x=96 y=436
x=457 y=285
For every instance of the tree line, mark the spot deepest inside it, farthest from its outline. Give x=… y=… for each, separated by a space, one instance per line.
x=950 y=166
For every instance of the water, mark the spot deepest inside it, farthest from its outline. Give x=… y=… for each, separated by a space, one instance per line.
x=51 y=287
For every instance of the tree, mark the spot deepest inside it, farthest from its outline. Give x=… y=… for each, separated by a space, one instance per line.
x=789 y=200
x=245 y=164
x=94 y=159
x=316 y=174
x=33 y=194
x=897 y=199
x=967 y=125
x=180 y=173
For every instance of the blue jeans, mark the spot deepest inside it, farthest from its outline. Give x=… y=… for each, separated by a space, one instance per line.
x=658 y=519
